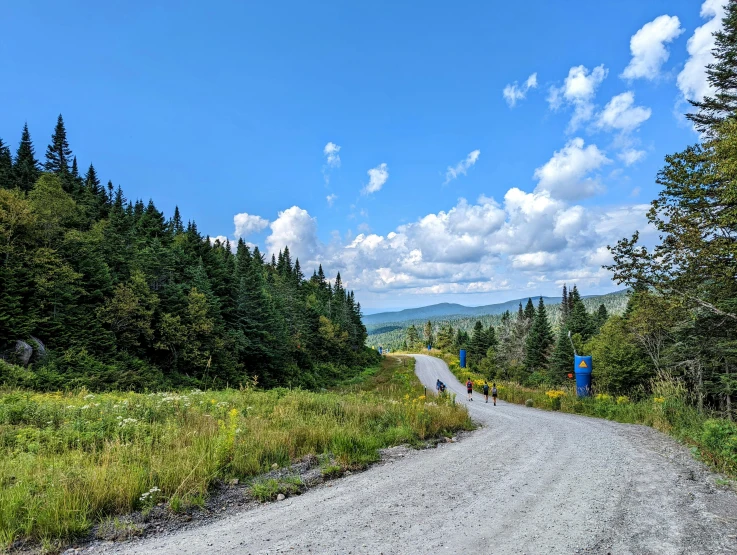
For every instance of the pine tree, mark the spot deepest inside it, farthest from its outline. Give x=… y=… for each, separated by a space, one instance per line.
x=6 y=167
x=91 y=181
x=429 y=338
x=564 y=305
x=602 y=315
x=25 y=168
x=539 y=340
x=530 y=310
x=561 y=362
x=477 y=347
x=58 y=153
x=722 y=76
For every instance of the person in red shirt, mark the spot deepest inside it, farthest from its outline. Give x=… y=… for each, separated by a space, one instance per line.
x=469 y=388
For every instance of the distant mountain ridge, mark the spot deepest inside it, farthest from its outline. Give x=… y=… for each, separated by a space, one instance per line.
x=449 y=310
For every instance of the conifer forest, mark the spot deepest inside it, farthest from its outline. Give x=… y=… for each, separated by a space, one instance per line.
x=105 y=292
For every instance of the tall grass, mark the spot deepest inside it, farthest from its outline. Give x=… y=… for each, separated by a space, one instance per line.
x=69 y=459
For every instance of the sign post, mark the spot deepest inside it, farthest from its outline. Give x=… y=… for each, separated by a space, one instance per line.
x=463 y=358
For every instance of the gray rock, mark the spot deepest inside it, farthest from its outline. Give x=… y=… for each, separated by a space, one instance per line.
x=280 y=497
x=23 y=351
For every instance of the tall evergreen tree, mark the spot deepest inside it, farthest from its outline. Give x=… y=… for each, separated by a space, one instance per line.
x=564 y=305
x=539 y=340
x=429 y=336
x=529 y=310
x=58 y=153
x=6 y=167
x=25 y=167
x=600 y=318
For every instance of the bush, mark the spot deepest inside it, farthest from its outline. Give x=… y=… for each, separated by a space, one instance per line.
x=529 y=403
x=719 y=440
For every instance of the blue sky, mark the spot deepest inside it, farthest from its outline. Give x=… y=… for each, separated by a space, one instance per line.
x=235 y=112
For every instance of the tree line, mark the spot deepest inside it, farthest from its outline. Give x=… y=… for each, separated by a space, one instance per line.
x=100 y=291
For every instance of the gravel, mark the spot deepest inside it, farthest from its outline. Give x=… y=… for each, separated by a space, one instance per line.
x=528 y=481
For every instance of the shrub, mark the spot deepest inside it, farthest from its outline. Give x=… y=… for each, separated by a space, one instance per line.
x=529 y=403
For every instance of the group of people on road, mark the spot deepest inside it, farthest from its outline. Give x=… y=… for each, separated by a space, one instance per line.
x=494 y=391
x=440 y=388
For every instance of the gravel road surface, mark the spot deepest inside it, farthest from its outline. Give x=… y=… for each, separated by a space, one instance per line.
x=528 y=481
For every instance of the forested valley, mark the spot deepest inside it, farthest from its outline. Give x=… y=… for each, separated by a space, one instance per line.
x=103 y=292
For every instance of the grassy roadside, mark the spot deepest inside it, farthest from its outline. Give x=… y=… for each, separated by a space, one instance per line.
x=713 y=440
x=68 y=460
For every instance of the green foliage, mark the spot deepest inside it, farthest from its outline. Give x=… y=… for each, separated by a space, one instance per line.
x=136 y=301
x=621 y=364
x=539 y=340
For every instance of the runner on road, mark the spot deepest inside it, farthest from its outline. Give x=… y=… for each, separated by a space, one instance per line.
x=469 y=388
x=493 y=393
x=486 y=391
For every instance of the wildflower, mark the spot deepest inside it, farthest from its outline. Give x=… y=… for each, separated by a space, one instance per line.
x=555 y=393
x=622 y=400
x=659 y=399
x=233 y=413
x=212 y=401
x=603 y=397
x=90 y=396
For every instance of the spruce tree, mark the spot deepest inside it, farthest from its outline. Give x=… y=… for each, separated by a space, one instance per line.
x=58 y=153
x=530 y=310
x=25 y=167
x=476 y=350
x=602 y=315
x=6 y=167
x=722 y=76
x=429 y=338
x=539 y=340
x=564 y=305
x=561 y=362
x=91 y=181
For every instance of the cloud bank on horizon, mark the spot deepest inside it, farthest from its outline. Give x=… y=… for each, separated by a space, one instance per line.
x=531 y=236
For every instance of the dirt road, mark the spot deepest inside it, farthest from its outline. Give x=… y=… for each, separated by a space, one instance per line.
x=528 y=481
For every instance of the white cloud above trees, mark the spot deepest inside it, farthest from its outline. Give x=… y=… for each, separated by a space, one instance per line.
x=648 y=47
x=692 y=78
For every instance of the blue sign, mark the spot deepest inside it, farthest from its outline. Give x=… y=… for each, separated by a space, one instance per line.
x=582 y=366
x=463 y=358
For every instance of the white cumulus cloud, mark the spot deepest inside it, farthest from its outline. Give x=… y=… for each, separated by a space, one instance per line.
x=621 y=114
x=578 y=90
x=246 y=224
x=692 y=79
x=461 y=167
x=296 y=229
x=377 y=178
x=331 y=199
x=566 y=175
x=514 y=92
x=648 y=47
